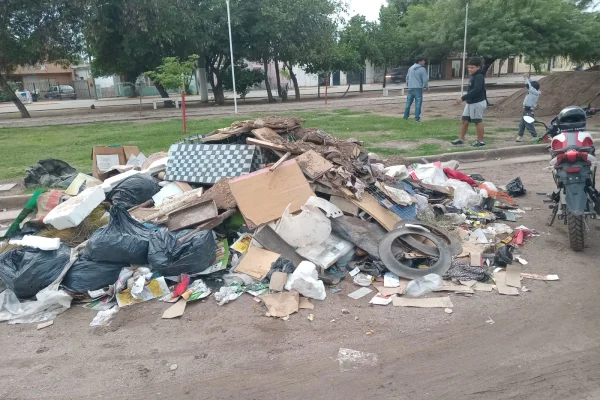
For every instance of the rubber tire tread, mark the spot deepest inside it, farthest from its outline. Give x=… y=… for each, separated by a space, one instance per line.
x=431 y=251
x=576 y=228
x=387 y=257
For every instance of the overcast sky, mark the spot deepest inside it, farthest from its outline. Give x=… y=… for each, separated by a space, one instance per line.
x=368 y=8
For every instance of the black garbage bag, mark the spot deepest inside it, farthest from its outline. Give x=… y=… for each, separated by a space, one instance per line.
x=282 y=264
x=123 y=240
x=169 y=258
x=504 y=256
x=134 y=191
x=50 y=173
x=515 y=188
x=86 y=275
x=26 y=271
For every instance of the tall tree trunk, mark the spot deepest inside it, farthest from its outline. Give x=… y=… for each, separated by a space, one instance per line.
x=294 y=79
x=318 y=86
x=163 y=93
x=361 y=80
x=384 y=75
x=278 y=78
x=487 y=63
x=500 y=64
x=346 y=92
x=15 y=99
x=268 y=86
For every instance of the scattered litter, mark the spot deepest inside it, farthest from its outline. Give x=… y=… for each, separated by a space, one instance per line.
x=278 y=281
x=242 y=244
x=391 y=280
x=362 y=292
x=173 y=367
x=305 y=280
x=433 y=302
x=73 y=211
x=525 y=289
x=490 y=321
x=448 y=311
x=502 y=287
x=227 y=294
x=381 y=300
x=335 y=290
x=257 y=262
x=311 y=317
x=37 y=242
x=513 y=276
x=44 y=325
x=103 y=318
x=539 y=277
x=281 y=304
x=355 y=271
x=154 y=289
x=419 y=287
x=349 y=359
x=483 y=287
x=176 y=310
x=304 y=303
x=521 y=260
x=363 y=279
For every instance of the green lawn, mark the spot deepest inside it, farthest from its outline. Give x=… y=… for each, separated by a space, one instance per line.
x=22 y=147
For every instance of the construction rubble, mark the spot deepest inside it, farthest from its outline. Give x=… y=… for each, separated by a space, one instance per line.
x=264 y=208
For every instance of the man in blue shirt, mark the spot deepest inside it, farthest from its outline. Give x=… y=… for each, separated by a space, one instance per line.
x=417 y=78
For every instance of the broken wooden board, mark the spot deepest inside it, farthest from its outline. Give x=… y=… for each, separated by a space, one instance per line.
x=385 y=217
x=257 y=263
x=263 y=196
x=192 y=215
x=268 y=135
x=431 y=302
x=313 y=164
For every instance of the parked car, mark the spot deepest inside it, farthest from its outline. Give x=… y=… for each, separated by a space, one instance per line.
x=61 y=92
x=397 y=75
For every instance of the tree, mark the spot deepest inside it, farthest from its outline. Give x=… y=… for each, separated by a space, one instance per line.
x=497 y=28
x=174 y=74
x=34 y=32
x=128 y=37
x=245 y=79
x=358 y=35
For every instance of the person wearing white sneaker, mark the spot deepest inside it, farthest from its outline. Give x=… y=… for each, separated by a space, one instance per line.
x=476 y=104
x=529 y=104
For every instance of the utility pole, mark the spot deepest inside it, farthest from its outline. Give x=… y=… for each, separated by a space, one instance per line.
x=462 y=82
x=231 y=55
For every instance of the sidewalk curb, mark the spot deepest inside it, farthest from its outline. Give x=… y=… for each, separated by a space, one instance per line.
x=482 y=155
x=14 y=202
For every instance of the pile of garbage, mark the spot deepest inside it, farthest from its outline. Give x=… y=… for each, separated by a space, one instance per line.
x=264 y=207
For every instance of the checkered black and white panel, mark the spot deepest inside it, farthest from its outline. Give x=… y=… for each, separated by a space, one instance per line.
x=208 y=163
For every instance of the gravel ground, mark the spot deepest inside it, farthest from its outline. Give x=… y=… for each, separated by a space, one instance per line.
x=542 y=344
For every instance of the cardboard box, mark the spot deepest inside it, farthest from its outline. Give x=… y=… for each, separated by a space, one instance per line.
x=105 y=157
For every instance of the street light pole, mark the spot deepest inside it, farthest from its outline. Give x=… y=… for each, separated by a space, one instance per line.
x=462 y=83
x=231 y=56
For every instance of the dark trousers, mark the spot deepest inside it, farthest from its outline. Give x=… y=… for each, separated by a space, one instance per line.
x=522 y=125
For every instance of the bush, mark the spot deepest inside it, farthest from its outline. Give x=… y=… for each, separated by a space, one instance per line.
x=245 y=79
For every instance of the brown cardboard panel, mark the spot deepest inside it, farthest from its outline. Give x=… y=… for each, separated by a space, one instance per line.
x=105 y=157
x=385 y=217
x=257 y=262
x=263 y=196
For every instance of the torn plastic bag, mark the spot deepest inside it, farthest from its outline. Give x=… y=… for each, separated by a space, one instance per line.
x=432 y=174
x=86 y=275
x=425 y=284
x=50 y=173
x=48 y=304
x=515 y=188
x=305 y=280
x=26 y=271
x=134 y=191
x=504 y=256
x=123 y=240
x=464 y=195
x=169 y=258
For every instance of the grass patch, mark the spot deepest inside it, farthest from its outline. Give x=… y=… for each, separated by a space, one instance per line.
x=23 y=147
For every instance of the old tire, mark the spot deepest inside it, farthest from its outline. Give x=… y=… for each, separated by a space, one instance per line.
x=576 y=225
x=406 y=271
x=449 y=240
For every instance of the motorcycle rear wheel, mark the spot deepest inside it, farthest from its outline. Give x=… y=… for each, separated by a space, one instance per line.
x=576 y=226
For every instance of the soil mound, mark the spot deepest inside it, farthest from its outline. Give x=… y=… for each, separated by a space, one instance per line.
x=559 y=90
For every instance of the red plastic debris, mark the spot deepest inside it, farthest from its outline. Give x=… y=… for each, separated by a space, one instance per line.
x=453 y=174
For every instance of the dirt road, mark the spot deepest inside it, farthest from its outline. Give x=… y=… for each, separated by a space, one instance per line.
x=542 y=344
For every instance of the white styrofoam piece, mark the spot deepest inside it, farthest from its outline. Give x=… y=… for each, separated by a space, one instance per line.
x=37 y=242
x=73 y=211
x=327 y=253
x=111 y=182
x=158 y=165
x=170 y=190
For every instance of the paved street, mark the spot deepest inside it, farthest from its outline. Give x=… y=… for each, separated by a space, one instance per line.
x=542 y=344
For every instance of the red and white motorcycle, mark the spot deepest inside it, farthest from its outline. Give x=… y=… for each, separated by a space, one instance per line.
x=576 y=199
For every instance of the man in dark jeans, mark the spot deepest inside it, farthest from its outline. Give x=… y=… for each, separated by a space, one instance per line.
x=476 y=104
x=417 y=79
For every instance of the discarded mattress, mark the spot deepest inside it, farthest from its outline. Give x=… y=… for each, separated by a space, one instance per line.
x=209 y=163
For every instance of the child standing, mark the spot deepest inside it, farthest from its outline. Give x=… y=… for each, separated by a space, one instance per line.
x=529 y=104
x=476 y=104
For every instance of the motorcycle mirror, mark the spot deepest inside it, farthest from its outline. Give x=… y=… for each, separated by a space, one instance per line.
x=528 y=119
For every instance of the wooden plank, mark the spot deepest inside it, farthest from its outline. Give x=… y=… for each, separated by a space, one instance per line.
x=313 y=164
